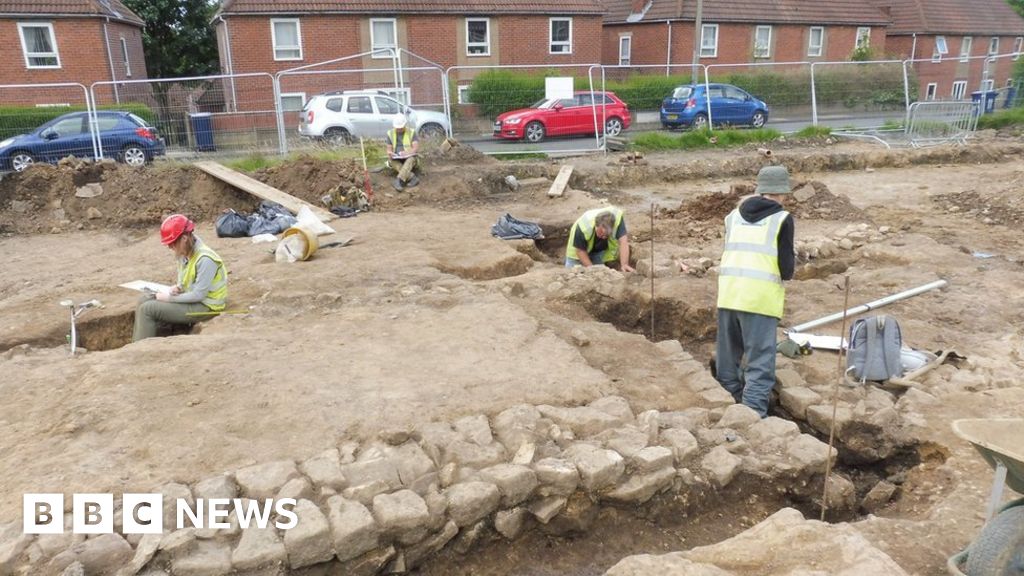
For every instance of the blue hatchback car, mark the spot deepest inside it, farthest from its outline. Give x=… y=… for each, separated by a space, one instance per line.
x=688 y=106
x=123 y=134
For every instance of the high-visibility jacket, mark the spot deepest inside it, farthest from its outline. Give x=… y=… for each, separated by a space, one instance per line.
x=748 y=278
x=406 y=139
x=218 y=294
x=586 y=225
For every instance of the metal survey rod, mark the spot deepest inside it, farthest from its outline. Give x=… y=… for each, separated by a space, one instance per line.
x=869 y=306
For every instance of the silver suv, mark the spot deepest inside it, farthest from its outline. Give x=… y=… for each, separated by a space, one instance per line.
x=341 y=116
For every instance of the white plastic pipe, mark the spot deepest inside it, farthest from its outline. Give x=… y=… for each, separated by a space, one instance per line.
x=869 y=306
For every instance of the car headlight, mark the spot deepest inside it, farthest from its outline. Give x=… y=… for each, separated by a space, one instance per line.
x=7 y=143
x=513 y=121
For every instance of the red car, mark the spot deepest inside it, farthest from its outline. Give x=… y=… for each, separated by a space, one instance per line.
x=564 y=117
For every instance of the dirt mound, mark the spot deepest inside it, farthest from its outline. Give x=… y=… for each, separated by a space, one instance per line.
x=823 y=204
x=461 y=155
x=1005 y=209
x=42 y=199
x=310 y=178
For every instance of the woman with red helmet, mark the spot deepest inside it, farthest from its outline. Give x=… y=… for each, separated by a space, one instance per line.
x=202 y=287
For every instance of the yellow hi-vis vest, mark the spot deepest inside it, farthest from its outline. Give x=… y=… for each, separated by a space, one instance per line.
x=586 y=225
x=406 y=139
x=217 y=296
x=749 y=278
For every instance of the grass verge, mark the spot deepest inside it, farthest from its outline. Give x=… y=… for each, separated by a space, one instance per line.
x=699 y=139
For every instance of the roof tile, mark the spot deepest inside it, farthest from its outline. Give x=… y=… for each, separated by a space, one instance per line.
x=112 y=8
x=954 y=17
x=413 y=6
x=754 y=11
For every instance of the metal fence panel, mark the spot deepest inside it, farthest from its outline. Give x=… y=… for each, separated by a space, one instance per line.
x=223 y=114
x=934 y=123
x=860 y=95
x=784 y=86
x=44 y=123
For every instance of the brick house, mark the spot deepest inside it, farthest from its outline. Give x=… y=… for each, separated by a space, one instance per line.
x=956 y=39
x=275 y=35
x=57 y=41
x=660 y=32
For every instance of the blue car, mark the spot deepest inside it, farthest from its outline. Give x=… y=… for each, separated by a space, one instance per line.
x=124 y=135
x=688 y=106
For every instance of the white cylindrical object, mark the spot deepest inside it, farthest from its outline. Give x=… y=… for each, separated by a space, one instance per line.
x=869 y=306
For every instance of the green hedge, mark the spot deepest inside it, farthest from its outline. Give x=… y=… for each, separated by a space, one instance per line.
x=868 y=86
x=16 y=120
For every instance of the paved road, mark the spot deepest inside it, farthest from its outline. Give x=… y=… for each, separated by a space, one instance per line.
x=648 y=123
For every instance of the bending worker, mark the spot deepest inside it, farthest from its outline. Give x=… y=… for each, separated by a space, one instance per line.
x=758 y=256
x=599 y=237
x=202 y=287
x=402 y=148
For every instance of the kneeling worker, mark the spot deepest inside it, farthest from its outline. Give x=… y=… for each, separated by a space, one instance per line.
x=202 y=287
x=402 y=147
x=599 y=237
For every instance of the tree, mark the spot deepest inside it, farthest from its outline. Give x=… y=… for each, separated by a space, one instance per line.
x=1017 y=5
x=178 y=39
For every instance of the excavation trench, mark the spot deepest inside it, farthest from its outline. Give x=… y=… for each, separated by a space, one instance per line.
x=99 y=333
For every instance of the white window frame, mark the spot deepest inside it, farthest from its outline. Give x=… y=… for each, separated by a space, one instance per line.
x=402 y=95
x=273 y=38
x=931 y=91
x=462 y=90
x=1018 y=47
x=941 y=48
x=551 y=30
x=768 y=46
x=127 y=62
x=865 y=33
x=293 y=95
x=966 y=45
x=961 y=87
x=988 y=85
x=628 y=58
x=486 y=43
x=993 y=45
x=713 y=50
x=24 y=46
x=821 y=42
x=394 y=27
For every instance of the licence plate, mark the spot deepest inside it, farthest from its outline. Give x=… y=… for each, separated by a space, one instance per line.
x=672 y=117
x=497 y=126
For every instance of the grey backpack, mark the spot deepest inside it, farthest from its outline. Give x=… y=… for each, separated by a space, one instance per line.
x=874 y=349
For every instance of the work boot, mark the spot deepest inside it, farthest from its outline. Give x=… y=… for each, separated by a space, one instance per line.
x=413 y=182
x=398 y=185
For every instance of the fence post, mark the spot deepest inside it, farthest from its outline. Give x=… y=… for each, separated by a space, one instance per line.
x=94 y=121
x=814 y=99
x=707 y=95
x=906 y=95
x=282 y=142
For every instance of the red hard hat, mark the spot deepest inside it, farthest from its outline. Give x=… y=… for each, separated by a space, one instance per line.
x=173 y=227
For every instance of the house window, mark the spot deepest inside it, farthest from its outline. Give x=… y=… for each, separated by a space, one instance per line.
x=965 y=48
x=709 y=41
x=293 y=102
x=941 y=49
x=863 y=37
x=39 y=45
x=625 y=50
x=403 y=95
x=383 y=37
x=762 y=42
x=478 y=37
x=930 y=91
x=1018 y=47
x=464 y=94
x=993 y=46
x=959 y=89
x=124 y=54
x=287 y=39
x=815 y=41
x=987 y=85
x=560 y=35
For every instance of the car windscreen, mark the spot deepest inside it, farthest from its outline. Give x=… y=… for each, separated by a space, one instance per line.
x=542 y=103
x=682 y=92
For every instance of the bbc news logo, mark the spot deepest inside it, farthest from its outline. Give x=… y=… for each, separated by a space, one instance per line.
x=144 y=513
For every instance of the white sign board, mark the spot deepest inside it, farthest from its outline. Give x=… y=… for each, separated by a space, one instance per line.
x=559 y=88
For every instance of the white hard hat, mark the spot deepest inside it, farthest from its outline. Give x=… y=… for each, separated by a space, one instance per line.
x=399 y=122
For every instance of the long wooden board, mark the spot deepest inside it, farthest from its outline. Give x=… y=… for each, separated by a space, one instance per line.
x=561 y=181
x=261 y=190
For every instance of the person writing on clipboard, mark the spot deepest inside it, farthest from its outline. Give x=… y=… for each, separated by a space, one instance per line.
x=202 y=288
x=402 y=148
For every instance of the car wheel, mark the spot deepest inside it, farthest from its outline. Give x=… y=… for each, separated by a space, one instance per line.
x=613 y=127
x=700 y=122
x=534 y=132
x=338 y=136
x=758 y=119
x=133 y=155
x=21 y=160
x=432 y=132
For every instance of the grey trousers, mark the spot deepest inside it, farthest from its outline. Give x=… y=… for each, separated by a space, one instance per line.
x=753 y=336
x=404 y=168
x=151 y=312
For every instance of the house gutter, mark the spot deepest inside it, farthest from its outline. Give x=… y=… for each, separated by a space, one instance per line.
x=913 y=48
x=231 y=64
x=110 y=61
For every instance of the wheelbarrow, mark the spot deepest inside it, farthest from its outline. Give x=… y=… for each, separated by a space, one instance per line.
x=999 y=548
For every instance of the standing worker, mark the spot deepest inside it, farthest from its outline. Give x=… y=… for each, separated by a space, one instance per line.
x=758 y=256
x=202 y=287
x=599 y=237
x=402 y=148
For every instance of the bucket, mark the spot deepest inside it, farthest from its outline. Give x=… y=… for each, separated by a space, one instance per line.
x=311 y=243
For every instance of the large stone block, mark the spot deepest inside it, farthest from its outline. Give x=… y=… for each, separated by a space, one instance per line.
x=474 y=429
x=324 y=469
x=264 y=480
x=651 y=458
x=689 y=419
x=770 y=429
x=209 y=558
x=309 y=541
x=100 y=555
x=257 y=548
x=797 y=400
x=738 y=417
x=223 y=486
x=557 y=477
x=584 y=421
x=471 y=455
x=470 y=502
x=642 y=487
x=627 y=440
x=808 y=453
x=400 y=512
x=411 y=462
x=616 y=406
x=516 y=483
x=721 y=466
x=682 y=443
x=518 y=425
x=599 y=469
x=547 y=508
x=509 y=523
x=353 y=529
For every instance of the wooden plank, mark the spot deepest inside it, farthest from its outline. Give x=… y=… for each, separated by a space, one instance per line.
x=261 y=190
x=561 y=181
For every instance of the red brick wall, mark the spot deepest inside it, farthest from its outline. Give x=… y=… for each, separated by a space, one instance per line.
x=136 y=58
x=83 y=59
x=950 y=69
